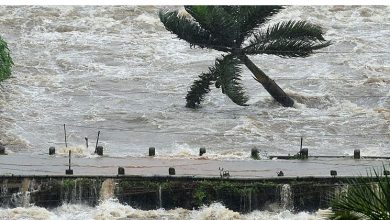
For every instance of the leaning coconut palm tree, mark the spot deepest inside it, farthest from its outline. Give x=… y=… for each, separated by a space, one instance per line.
x=366 y=198
x=5 y=61
x=236 y=31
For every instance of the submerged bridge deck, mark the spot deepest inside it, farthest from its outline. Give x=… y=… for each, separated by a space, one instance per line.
x=43 y=164
x=252 y=185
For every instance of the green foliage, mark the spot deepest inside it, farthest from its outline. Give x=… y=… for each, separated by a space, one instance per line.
x=188 y=30
x=83 y=182
x=68 y=183
x=226 y=28
x=217 y=21
x=288 y=39
x=364 y=199
x=229 y=74
x=200 y=88
x=231 y=24
x=207 y=192
x=6 y=62
x=295 y=29
x=248 y=18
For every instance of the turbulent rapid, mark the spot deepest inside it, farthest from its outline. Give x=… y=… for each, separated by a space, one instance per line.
x=116 y=69
x=111 y=209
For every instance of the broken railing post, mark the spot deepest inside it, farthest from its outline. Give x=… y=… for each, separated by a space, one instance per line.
x=171 y=171
x=152 y=151
x=66 y=144
x=52 y=150
x=255 y=153
x=356 y=154
x=202 y=151
x=300 y=149
x=121 y=171
x=99 y=150
x=86 y=141
x=69 y=171
x=333 y=173
x=304 y=153
x=97 y=141
x=2 y=150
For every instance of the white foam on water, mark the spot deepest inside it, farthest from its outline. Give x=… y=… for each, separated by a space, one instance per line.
x=112 y=209
x=79 y=150
x=29 y=213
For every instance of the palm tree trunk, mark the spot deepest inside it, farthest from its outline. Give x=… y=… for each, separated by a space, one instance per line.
x=273 y=89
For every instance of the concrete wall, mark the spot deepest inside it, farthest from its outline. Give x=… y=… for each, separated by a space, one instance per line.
x=243 y=195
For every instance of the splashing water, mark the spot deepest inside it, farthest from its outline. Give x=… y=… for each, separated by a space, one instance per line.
x=111 y=209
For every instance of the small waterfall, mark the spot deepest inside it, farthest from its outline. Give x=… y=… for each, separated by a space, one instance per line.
x=73 y=193
x=22 y=198
x=159 y=197
x=286 y=202
x=26 y=192
x=250 y=200
x=107 y=190
x=4 y=188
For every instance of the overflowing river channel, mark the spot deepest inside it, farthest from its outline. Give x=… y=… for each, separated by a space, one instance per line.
x=115 y=69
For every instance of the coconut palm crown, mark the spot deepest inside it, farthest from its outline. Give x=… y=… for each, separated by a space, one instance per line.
x=238 y=32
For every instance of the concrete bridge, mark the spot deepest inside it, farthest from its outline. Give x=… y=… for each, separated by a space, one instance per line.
x=247 y=185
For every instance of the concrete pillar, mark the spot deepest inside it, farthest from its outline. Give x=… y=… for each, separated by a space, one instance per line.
x=172 y=171
x=121 y=171
x=52 y=150
x=356 y=154
x=202 y=151
x=152 y=151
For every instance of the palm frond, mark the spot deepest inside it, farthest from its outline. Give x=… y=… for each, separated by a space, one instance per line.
x=295 y=30
x=200 y=88
x=188 y=30
x=343 y=216
x=217 y=21
x=367 y=199
x=6 y=62
x=228 y=72
x=284 y=47
x=251 y=17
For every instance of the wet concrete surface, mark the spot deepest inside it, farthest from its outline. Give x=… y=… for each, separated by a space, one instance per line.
x=43 y=164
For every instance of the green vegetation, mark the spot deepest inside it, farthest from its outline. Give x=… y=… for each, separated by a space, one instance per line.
x=234 y=30
x=80 y=182
x=152 y=185
x=6 y=62
x=207 y=192
x=364 y=199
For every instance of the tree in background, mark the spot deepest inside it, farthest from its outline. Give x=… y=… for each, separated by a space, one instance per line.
x=5 y=61
x=238 y=32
